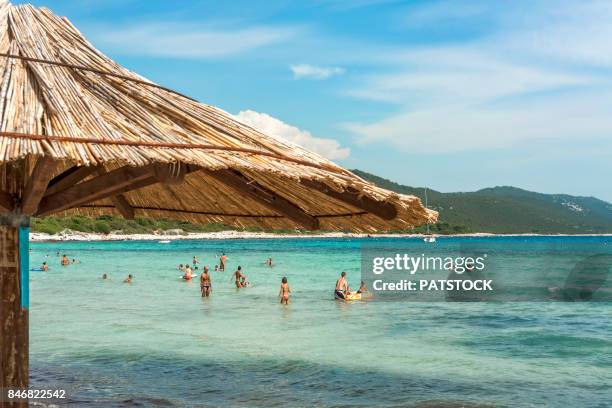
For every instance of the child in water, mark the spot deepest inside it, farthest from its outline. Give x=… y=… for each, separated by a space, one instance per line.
x=284 y=291
x=128 y=279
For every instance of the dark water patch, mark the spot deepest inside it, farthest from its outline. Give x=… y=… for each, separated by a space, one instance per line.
x=163 y=381
x=539 y=344
x=156 y=380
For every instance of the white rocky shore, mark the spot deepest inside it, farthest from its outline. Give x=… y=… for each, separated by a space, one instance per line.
x=68 y=235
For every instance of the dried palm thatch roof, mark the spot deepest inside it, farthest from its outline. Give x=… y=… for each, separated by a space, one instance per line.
x=115 y=142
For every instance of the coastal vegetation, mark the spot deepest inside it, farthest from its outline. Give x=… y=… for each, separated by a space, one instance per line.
x=509 y=210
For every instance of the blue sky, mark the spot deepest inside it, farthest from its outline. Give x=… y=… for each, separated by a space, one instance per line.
x=455 y=95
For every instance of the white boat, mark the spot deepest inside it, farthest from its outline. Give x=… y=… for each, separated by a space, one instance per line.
x=429 y=238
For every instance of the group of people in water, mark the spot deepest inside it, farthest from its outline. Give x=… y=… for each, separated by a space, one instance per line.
x=341 y=292
x=190 y=272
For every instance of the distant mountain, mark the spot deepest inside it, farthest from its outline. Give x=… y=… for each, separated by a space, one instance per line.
x=511 y=210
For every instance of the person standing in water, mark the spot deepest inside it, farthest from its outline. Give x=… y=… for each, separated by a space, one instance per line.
x=342 y=288
x=284 y=292
x=44 y=267
x=205 y=283
x=128 y=279
x=222 y=261
x=239 y=277
x=65 y=260
x=195 y=260
x=269 y=262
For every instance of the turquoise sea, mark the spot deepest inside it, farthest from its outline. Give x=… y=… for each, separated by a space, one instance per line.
x=156 y=342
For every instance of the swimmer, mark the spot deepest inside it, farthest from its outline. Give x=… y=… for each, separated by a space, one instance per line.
x=269 y=262
x=205 y=283
x=44 y=267
x=181 y=268
x=222 y=262
x=128 y=279
x=363 y=288
x=104 y=276
x=74 y=261
x=239 y=276
x=216 y=268
x=342 y=287
x=188 y=273
x=65 y=260
x=195 y=260
x=284 y=292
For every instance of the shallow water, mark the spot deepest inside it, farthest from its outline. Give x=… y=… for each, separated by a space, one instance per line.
x=156 y=342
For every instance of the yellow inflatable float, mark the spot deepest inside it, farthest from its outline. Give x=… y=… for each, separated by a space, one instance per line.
x=350 y=296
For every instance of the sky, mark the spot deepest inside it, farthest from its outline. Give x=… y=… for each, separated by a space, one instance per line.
x=454 y=95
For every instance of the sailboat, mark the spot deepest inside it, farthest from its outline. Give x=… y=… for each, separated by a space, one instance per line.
x=429 y=237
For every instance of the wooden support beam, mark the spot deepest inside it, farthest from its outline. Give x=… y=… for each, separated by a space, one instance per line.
x=69 y=178
x=37 y=184
x=262 y=195
x=7 y=202
x=120 y=203
x=123 y=206
x=115 y=182
x=384 y=210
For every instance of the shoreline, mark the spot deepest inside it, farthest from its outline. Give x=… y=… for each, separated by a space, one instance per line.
x=90 y=236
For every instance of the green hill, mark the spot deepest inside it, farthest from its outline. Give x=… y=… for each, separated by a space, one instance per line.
x=510 y=210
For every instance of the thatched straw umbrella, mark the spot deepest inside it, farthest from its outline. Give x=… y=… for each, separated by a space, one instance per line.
x=80 y=134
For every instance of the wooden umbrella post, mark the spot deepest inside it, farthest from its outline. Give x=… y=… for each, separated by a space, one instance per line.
x=14 y=293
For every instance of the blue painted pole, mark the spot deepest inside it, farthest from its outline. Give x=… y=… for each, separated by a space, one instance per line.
x=24 y=265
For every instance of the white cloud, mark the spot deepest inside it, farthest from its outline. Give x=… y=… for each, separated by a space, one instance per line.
x=543 y=75
x=313 y=72
x=450 y=74
x=267 y=124
x=576 y=32
x=187 y=40
x=448 y=129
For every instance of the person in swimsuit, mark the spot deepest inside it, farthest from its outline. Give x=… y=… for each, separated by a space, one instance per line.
x=342 y=287
x=216 y=268
x=45 y=267
x=222 y=261
x=181 y=268
x=269 y=262
x=128 y=279
x=188 y=271
x=205 y=283
x=239 y=276
x=195 y=260
x=104 y=276
x=65 y=260
x=284 y=292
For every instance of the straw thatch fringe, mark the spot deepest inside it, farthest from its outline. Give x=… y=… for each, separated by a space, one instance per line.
x=62 y=98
